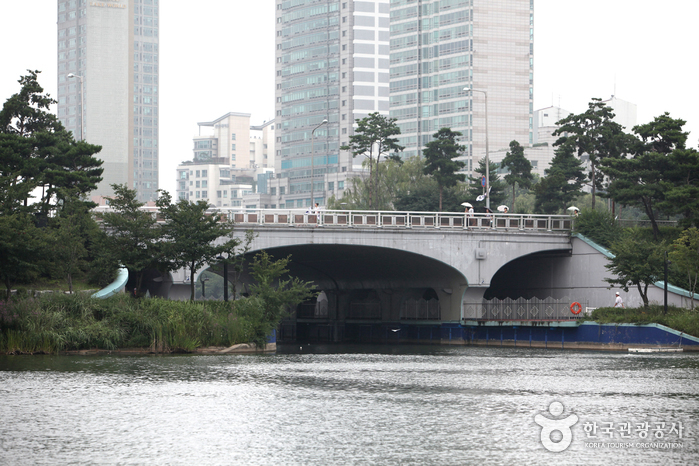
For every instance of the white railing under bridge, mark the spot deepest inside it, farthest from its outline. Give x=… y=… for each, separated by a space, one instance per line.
x=392 y=219
x=526 y=309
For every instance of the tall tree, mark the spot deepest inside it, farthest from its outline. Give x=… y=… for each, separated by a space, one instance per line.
x=645 y=179
x=36 y=151
x=595 y=135
x=637 y=262
x=374 y=137
x=563 y=181
x=193 y=238
x=134 y=235
x=439 y=157
x=520 y=169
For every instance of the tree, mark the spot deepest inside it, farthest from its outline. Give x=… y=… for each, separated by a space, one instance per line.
x=440 y=164
x=497 y=186
x=397 y=179
x=373 y=138
x=134 y=235
x=599 y=226
x=685 y=257
x=520 y=169
x=637 y=262
x=22 y=246
x=645 y=179
x=425 y=197
x=271 y=295
x=193 y=238
x=562 y=183
x=682 y=197
x=594 y=134
x=37 y=151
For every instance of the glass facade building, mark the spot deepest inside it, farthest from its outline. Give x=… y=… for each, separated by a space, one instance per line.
x=108 y=76
x=440 y=47
x=331 y=65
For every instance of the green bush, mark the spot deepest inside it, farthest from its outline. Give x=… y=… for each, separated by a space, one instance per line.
x=680 y=319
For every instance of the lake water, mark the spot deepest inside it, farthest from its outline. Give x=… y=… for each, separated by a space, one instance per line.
x=339 y=404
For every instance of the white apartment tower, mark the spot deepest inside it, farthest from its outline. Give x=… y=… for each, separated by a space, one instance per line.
x=440 y=47
x=108 y=86
x=331 y=65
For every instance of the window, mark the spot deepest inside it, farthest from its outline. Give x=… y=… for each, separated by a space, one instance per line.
x=198 y=172
x=331 y=185
x=203 y=174
x=204 y=184
x=341 y=184
x=273 y=191
x=282 y=190
x=233 y=136
x=232 y=146
x=218 y=194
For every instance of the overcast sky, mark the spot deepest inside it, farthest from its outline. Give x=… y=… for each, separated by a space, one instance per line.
x=218 y=57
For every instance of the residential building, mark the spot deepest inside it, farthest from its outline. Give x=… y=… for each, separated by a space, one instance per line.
x=108 y=77
x=441 y=47
x=228 y=157
x=331 y=66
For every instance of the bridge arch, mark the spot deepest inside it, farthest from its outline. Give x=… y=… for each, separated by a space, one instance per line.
x=360 y=275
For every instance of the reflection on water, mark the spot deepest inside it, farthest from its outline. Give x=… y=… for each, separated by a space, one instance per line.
x=346 y=405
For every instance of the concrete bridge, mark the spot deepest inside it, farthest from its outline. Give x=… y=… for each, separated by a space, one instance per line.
x=370 y=257
x=426 y=268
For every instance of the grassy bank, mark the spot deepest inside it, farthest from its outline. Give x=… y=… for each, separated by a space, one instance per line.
x=680 y=319
x=57 y=322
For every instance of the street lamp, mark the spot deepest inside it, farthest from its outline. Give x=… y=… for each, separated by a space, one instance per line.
x=312 y=156
x=225 y=276
x=71 y=75
x=487 y=159
x=203 y=286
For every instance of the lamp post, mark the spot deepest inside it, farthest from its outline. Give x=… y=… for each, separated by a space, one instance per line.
x=487 y=159
x=71 y=75
x=312 y=156
x=203 y=286
x=225 y=276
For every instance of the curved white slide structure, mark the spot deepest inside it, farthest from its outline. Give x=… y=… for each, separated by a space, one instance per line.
x=117 y=286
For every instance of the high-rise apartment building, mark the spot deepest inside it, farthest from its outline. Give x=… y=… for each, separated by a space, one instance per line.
x=108 y=86
x=331 y=65
x=440 y=47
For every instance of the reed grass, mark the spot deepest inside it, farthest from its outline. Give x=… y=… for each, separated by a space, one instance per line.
x=54 y=323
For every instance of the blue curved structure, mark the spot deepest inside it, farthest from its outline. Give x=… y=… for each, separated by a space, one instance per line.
x=116 y=286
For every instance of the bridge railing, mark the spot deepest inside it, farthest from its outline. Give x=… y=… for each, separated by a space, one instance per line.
x=392 y=219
